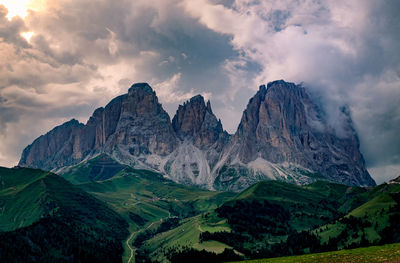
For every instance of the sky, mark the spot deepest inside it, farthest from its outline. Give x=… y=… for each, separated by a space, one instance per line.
x=61 y=59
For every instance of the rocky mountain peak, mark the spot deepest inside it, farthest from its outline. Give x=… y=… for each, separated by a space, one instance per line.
x=142 y=100
x=131 y=125
x=140 y=88
x=280 y=125
x=195 y=121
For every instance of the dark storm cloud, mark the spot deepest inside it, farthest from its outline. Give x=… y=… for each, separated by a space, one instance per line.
x=346 y=52
x=83 y=53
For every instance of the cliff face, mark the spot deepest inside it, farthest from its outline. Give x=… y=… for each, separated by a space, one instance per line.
x=202 y=141
x=195 y=121
x=56 y=148
x=282 y=135
x=130 y=126
x=143 y=127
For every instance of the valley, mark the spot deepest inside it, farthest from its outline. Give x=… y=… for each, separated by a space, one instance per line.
x=169 y=222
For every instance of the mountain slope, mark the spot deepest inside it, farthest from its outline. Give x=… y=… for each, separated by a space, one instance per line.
x=274 y=218
x=373 y=254
x=142 y=196
x=264 y=214
x=100 y=168
x=374 y=221
x=46 y=219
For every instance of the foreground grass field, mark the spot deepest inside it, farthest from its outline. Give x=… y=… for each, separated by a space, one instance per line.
x=386 y=253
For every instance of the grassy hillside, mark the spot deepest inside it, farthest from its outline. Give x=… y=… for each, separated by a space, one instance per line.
x=176 y=223
x=54 y=221
x=267 y=212
x=274 y=218
x=187 y=234
x=21 y=194
x=100 y=168
x=142 y=197
x=373 y=254
x=367 y=222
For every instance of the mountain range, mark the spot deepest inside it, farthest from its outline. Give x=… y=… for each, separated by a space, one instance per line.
x=283 y=135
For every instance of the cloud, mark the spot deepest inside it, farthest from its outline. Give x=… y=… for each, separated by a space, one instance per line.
x=345 y=53
x=83 y=53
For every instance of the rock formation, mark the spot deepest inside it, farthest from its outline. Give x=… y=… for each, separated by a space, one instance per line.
x=283 y=135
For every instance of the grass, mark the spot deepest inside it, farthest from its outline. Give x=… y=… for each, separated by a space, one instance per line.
x=151 y=196
x=20 y=197
x=99 y=168
x=387 y=253
x=187 y=234
x=46 y=218
x=375 y=211
x=148 y=195
x=143 y=198
x=311 y=205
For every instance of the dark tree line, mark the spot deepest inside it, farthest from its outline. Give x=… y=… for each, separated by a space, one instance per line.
x=61 y=240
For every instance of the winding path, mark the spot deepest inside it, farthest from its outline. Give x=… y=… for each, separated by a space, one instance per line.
x=132 y=249
x=129 y=246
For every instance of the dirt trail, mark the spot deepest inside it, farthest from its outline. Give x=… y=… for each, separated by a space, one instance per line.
x=132 y=249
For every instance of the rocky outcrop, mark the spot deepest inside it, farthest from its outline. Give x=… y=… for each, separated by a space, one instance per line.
x=283 y=135
x=195 y=121
x=202 y=141
x=144 y=127
x=54 y=149
x=130 y=128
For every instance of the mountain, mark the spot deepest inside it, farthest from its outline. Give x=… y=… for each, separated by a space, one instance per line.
x=44 y=218
x=283 y=135
x=195 y=121
x=129 y=127
x=202 y=140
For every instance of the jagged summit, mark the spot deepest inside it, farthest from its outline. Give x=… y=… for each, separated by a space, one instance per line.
x=72 y=121
x=281 y=83
x=131 y=125
x=281 y=136
x=197 y=97
x=141 y=86
x=280 y=132
x=195 y=120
